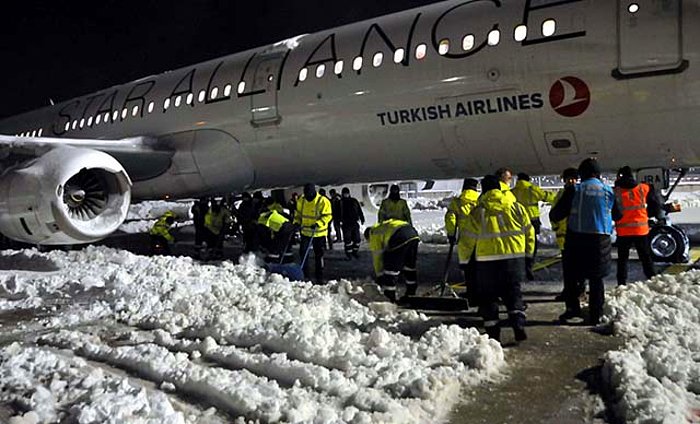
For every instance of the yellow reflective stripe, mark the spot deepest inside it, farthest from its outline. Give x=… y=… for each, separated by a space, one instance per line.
x=633 y=224
x=500 y=257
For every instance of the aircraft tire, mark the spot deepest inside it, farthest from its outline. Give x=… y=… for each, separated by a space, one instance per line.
x=669 y=244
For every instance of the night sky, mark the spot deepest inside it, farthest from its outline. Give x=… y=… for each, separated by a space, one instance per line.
x=58 y=50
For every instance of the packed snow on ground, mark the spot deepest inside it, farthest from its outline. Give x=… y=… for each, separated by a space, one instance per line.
x=248 y=343
x=655 y=377
x=142 y=216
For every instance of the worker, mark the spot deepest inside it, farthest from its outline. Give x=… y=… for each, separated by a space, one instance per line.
x=637 y=202
x=591 y=209
x=312 y=216
x=329 y=237
x=275 y=234
x=352 y=214
x=499 y=234
x=394 y=207
x=569 y=178
x=394 y=246
x=455 y=224
x=505 y=177
x=247 y=216
x=199 y=210
x=337 y=215
x=215 y=221
x=160 y=234
x=292 y=205
x=530 y=196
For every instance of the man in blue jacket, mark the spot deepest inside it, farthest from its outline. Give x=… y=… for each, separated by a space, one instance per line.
x=590 y=208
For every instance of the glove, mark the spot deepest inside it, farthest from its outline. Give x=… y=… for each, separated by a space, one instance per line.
x=314 y=226
x=452 y=239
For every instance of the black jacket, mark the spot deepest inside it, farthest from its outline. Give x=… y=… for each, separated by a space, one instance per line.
x=351 y=211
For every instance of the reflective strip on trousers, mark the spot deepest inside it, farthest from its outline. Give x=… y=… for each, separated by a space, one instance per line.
x=493 y=323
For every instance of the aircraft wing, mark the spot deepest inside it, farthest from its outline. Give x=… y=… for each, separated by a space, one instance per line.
x=140 y=156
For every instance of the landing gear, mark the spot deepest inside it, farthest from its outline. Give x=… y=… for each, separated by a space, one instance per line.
x=667 y=242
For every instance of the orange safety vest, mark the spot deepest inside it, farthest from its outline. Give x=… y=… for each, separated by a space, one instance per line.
x=633 y=205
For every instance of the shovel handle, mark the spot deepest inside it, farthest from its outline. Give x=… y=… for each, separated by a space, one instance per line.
x=308 y=248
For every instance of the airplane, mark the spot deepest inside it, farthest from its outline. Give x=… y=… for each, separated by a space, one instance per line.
x=452 y=89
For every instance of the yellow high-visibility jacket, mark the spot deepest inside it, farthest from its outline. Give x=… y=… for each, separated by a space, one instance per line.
x=456 y=220
x=530 y=196
x=162 y=228
x=379 y=236
x=499 y=228
x=505 y=188
x=215 y=222
x=272 y=220
x=559 y=227
x=394 y=209
x=316 y=212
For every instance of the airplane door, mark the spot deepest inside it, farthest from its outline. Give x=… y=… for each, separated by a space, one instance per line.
x=264 y=104
x=649 y=38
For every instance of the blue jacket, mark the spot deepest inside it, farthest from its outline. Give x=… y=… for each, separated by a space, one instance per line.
x=591 y=208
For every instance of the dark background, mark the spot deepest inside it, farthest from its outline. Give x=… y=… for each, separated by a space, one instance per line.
x=60 y=49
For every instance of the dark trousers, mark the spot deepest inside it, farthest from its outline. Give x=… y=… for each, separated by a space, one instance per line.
x=400 y=264
x=351 y=234
x=469 y=271
x=338 y=229
x=159 y=245
x=319 y=247
x=250 y=237
x=199 y=235
x=574 y=286
x=501 y=280
x=640 y=243
x=529 y=262
x=277 y=244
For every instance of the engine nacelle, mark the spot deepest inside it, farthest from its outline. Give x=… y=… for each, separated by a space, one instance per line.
x=66 y=196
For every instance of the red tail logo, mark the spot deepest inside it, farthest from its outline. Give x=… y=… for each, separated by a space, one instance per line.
x=570 y=97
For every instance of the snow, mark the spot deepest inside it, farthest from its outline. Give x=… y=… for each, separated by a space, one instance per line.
x=250 y=344
x=142 y=216
x=655 y=377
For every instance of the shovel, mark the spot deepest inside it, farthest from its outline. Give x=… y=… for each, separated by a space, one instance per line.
x=431 y=301
x=292 y=271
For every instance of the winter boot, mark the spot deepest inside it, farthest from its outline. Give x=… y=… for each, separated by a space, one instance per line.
x=494 y=333
x=411 y=289
x=391 y=295
x=520 y=334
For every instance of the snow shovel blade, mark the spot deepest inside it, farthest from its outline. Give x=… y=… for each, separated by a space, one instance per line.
x=291 y=271
x=435 y=303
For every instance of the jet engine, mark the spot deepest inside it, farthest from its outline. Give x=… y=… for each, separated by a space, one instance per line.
x=66 y=196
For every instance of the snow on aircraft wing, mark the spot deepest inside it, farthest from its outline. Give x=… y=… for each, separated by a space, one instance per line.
x=139 y=155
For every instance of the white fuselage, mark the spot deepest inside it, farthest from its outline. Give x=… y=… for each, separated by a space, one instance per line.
x=621 y=86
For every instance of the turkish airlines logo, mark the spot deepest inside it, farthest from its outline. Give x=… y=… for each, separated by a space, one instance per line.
x=570 y=97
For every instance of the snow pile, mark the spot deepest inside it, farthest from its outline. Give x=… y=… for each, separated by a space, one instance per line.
x=432 y=233
x=155 y=209
x=656 y=376
x=273 y=351
x=48 y=384
x=687 y=200
x=425 y=203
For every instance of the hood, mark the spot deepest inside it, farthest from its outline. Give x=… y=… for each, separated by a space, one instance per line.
x=522 y=184
x=469 y=194
x=626 y=182
x=495 y=201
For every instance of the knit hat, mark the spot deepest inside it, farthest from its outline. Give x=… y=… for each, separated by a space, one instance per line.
x=589 y=168
x=470 y=184
x=490 y=182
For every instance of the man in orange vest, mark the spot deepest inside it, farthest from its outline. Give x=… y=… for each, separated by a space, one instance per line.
x=637 y=202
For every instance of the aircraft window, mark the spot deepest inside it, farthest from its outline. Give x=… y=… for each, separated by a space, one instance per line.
x=444 y=47
x=421 y=51
x=34 y=133
x=494 y=37
x=98 y=120
x=339 y=67
x=190 y=98
x=178 y=101
x=214 y=92
x=399 y=55
x=89 y=123
x=115 y=115
x=378 y=59
x=241 y=87
x=303 y=74
x=135 y=111
x=82 y=123
x=150 y=107
x=270 y=78
x=106 y=117
x=67 y=126
x=125 y=112
x=75 y=124
x=549 y=27
x=41 y=131
x=468 y=42
x=633 y=8
x=227 y=91
x=357 y=63
x=520 y=33
x=166 y=104
x=320 y=70
x=202 y=95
